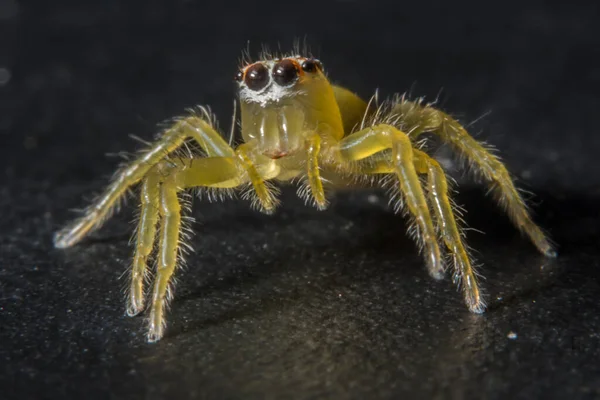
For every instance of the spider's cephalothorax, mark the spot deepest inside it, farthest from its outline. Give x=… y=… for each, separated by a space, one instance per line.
x=296 y=124
x=285 y=100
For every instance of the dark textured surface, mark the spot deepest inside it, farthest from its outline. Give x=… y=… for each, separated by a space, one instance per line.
x=304 y=304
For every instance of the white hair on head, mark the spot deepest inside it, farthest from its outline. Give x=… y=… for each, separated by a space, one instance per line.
x=272 y=92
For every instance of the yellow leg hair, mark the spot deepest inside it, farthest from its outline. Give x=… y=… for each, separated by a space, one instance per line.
x=438 y=198
x=371 y=140
x=163 y=176
x=146 y=233
x=437 y=191
x=428 y=119
x=213 y=172
x=170 y=211
x=192 y=127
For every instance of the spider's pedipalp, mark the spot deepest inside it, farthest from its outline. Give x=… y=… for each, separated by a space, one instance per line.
x=266 y=194
x=315 y=182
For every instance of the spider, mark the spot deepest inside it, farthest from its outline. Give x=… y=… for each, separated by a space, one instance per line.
x=299 y=127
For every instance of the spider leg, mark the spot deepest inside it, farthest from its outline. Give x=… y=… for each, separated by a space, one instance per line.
x=428 y=119
x=146 y=232
x=369 y=141
x=437 y=193
x=211 y=172
x=438 y=198
x=170 y=211
x=192 y=127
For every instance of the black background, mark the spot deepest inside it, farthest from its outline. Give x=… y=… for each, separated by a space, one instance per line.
x=303 y=304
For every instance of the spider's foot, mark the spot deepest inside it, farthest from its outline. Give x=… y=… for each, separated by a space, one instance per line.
x=437 y=274
x=134 y=306
x=75 y=231
x=435 y=264
x=475 y=302
x=542 y=243
x=63 y=239
x=477 y=308
x=155 y=333
x=135 y=298
x=549 y=251
x=156 y=327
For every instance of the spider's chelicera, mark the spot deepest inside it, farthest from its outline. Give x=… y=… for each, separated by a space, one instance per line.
x=297 y=126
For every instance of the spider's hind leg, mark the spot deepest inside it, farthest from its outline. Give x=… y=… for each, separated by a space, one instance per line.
x=420 y=118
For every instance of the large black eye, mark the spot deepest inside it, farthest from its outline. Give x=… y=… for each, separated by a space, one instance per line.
x=239 y=76
x=285 y=73
x=257 y=76
x=311 y=65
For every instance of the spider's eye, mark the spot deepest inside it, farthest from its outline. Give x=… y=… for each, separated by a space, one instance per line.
x=239 y=76
x=257 y=76
x=285 y=73
x=311 y=65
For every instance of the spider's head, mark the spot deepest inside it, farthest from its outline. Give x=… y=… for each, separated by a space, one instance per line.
x=283 y=99
x=272 y=81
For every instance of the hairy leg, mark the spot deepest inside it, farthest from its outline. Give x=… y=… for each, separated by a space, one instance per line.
x=193 y=127
x=369 y=141
x=170 y=211
x=438 y=198
x=212 y=172
x=427 y=119
x=437 y=192
x=146 y=232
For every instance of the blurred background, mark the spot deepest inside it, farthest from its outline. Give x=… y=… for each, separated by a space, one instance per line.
x=303 y=304
x=92 y=72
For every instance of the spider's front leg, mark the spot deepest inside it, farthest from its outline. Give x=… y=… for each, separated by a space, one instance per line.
x=162 y=178
x=165 y=181
x=437 y=192
x=369 y=141
x=213 y=172
x=406 y=163
x=449 y=231
x=160 y=198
